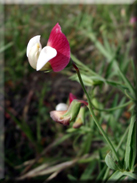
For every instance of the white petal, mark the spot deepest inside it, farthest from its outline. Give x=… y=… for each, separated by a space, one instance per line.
x=61 y=107
x=33 y=50
x=32 y=42
x=46 y=54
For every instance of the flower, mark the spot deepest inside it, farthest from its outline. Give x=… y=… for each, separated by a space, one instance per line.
x=65 y=114
x=55 y=55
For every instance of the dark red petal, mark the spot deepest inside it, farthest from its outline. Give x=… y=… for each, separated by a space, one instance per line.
x=83 y=102
x=59 y=41
x=71 y=97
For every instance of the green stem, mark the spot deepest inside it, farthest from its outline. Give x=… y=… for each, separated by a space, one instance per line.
x=93 y=115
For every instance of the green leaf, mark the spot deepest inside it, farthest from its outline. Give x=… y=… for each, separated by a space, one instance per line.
x=88 y=171
x=102 y=68
x=5 y=47
x=109 y=57
x=116 y=175
x=130 y=153
x=122 y=140
x=71 y=177
x=106 y=43
x=83 y=66
x=99 y=46
x=109 y=68
x=129 y=95
x=130 y=174
x=133 y=146
x=119 y=112
x=87 y=144
x=24 y=127
x=116 y=84
x=115 y=100
x=101 y=173
x=106 y=174
x=89 y=80
x=127 y=82
x=62 y=139
x=110 y=162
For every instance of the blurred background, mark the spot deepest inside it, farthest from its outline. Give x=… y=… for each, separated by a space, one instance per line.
x=32 y=139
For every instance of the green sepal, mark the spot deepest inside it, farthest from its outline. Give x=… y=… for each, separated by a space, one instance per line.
x=80 y=118
x=73 y=110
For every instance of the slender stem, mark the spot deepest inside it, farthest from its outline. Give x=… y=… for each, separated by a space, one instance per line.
x=93 y=115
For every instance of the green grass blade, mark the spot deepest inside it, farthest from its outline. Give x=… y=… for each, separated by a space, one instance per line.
x=130 y=153
x=88 y=171
x=82 y=65
x=6 y=47
x=25 y=128
x=115 y=176
x=130 y=174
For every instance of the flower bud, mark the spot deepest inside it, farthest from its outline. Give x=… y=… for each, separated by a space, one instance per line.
x=80 y=118
x=65 y=117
